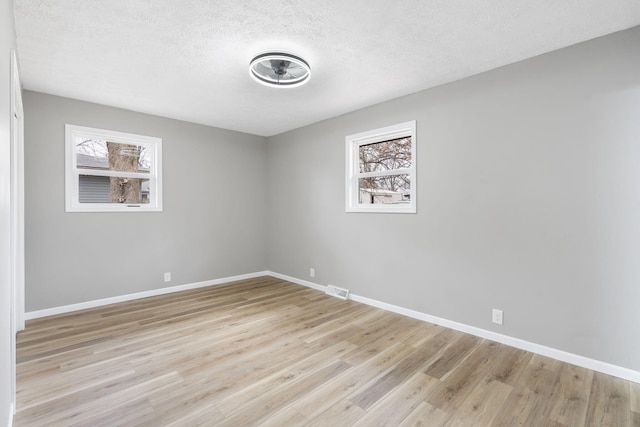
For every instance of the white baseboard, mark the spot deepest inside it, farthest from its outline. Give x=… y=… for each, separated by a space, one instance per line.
x=574 y=359
x=297 y=281
x=129 y=297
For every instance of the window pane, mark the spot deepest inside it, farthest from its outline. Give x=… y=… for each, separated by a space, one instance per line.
x=107 y=155
x=104 y=189
x=385 y=155
x=389 y=189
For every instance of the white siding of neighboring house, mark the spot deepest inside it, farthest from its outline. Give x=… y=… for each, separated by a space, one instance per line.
x=380 y=196
x=94 y=189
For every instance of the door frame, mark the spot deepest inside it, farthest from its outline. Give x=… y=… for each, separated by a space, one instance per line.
x=17 y=254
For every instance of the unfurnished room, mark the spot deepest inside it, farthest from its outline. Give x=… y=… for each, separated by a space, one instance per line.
x=320 y=213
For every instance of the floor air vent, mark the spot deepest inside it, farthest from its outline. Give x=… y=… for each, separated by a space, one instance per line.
x=337 y=292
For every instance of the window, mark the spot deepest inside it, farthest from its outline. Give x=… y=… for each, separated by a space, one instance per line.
x=109 y=171
x=381 y=170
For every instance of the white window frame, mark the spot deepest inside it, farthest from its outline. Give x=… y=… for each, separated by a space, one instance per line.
x=72 y=181
x=353 y=174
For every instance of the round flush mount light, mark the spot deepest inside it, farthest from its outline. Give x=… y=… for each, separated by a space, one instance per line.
x=279 y=69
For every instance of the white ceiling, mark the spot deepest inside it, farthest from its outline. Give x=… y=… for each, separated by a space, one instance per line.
x=188 y=59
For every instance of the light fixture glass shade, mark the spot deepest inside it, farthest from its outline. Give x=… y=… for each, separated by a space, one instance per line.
x=279 y=69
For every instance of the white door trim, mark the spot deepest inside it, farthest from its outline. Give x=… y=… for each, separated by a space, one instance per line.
x=17 y=215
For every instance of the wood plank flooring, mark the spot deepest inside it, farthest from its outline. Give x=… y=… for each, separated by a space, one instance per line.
x=268 y=352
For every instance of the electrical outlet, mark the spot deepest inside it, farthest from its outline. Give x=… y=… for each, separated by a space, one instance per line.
x=167 y=277
x=497 y=316
x=312 y=272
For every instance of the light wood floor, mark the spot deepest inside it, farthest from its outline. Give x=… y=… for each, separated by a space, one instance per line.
x=268 y=352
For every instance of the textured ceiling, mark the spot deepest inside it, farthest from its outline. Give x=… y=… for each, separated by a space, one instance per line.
x=189 y=59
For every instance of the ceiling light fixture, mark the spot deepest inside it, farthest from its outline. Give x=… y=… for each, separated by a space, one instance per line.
x=279 y=69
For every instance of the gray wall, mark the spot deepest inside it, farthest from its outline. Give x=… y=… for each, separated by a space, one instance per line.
x=528 y=201
x=7 y=42
x=212 y=226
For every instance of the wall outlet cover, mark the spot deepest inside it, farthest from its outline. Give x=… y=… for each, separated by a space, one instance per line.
x=497 y=316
